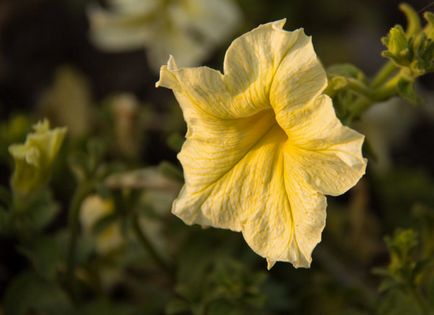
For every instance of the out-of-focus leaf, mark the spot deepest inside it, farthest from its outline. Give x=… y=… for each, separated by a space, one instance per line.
x=105 y=307
x=33 y=215
x=4 y=221
x=400 y=189
x=30 y=294
x=224 y=309
x=43 y=212
x=84 y=246
x=218 y=285
x=5 y=197
x=397 y=302
x=431 y=293
x=175 y=141
x=177 y=306
x=45 y=255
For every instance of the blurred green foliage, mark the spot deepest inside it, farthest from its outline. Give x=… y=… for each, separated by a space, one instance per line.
x=411 y=55
x=123 y=151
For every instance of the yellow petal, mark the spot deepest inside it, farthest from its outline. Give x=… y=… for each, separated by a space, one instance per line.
x=270 y=67
x=328 y=152
x=264 y=69
x=283 y=216
x=213 y=165
x=270 y=264
x=250 y=65
x=250 y=186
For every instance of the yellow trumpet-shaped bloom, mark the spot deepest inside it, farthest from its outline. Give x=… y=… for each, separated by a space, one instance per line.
x=263 y=144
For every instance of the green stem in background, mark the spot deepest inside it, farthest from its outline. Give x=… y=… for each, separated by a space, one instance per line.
x=381 y=91
x=81 y=192
x=149 y=247
x=383 y=74
x=359 y=87
x=388 y=89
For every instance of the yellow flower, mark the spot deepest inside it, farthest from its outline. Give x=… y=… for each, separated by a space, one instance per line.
x=35 y=158
x=94 y=209
x=187 y=29
x=68 y=102
x=263 y=144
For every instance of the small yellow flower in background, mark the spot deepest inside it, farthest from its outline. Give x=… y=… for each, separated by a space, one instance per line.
x=68 y=102
x=158 y=191
x=263 y=144
x=35 y=158
x=188 y=29
x=93 y=209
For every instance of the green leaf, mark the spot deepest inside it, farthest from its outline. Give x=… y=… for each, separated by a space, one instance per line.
x=430 y=292
x=105 y=307
x=45 y=255
x=177 y=306
x=4 y=221
x=28 y=293
x=397 y=302
x=84 y=246
x=219 y=285
x=5 y=197
x=35 y=215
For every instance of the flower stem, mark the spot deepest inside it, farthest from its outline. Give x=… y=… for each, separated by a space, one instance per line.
x=377 y=92
x=358 y=87
x=81 y=192
x=149 y=247
x=383 y=74
x=388 y=89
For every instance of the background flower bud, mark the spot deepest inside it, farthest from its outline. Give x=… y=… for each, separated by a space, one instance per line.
x=34 y=159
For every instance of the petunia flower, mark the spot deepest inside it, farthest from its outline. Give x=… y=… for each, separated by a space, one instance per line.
x=68 y=102
x=188 y=29
x=34 y=159
x=263 y=145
